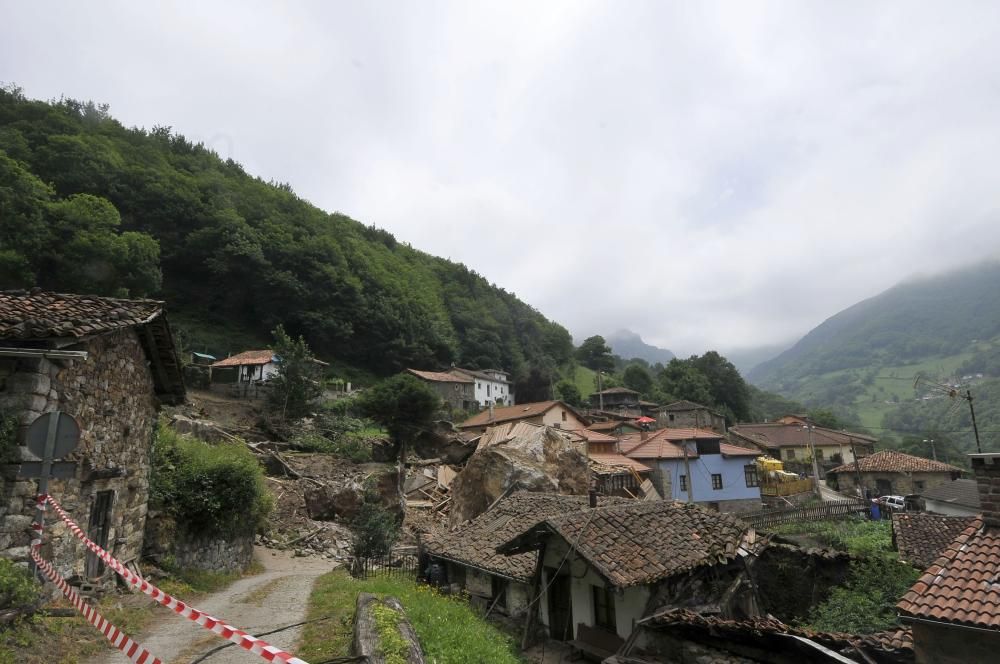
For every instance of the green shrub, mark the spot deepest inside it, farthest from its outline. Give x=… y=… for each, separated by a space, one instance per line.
x=375 y=528
x=17 y=588
x=208 y=488
x=8 y=437
x=867 y=602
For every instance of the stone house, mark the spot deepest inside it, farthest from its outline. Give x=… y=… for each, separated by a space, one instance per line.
x=889 y=472
x=607 y=567
x=690 y=415
x=788 y=440
x=471 y=562
x=555 y=414
x=714 y=473
x=457 y=390
x=490 y=386
x=954 y=607
x=109 y=363
x=614 y=398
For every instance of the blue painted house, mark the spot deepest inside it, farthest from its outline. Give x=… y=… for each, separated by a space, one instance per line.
x=715 y=473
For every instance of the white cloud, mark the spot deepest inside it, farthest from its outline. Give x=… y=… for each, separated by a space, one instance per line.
x=706 y=174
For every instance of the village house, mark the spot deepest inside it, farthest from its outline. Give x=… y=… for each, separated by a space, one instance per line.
x=250 y=366
x=492 y=386
x=614 y=473
x=109 y=363
x=471 y=562
x=889 y=472
x=614 y=398
x=690 y=415
x=604 y=568
x=954 y=608
x=958 y=498
x=788 y=440
x=697 y=465
x=455 y=389
x=555 y=414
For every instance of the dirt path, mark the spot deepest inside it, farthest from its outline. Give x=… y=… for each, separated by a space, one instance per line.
x=260 y=603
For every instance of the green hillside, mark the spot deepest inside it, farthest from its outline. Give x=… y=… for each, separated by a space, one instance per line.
x=89 y=205
x=862 y=363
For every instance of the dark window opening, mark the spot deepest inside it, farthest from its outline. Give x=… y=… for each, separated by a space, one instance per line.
x=789 y=454
x=684 y=482
x=750 y=471
x=716 y=481
x=670 y=417
x=604 y=609
x=819 y=453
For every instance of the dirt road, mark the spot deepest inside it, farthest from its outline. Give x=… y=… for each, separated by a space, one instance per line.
x=256 y=604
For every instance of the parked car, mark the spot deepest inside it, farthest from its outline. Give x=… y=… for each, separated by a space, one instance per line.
x=897 y=503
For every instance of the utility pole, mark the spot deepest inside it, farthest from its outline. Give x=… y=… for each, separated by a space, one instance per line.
x=857 y=469
x=933 y=449
x=812 y=451
x=972 y=411
x=600 y=390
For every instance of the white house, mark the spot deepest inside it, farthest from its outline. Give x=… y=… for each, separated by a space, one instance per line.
x=251 y=365
x=492 y=386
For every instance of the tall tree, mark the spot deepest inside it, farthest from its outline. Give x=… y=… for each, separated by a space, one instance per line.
x=594 y=353
x=637 y=377
x=298 y=381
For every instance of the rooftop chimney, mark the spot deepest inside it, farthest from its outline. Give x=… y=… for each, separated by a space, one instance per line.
x=643 y=435
x=986 y=468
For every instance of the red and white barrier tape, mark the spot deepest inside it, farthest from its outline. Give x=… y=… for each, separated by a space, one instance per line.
x=239 y=637
x=135 y=652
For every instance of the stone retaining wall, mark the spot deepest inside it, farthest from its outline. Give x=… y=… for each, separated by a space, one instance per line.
x=167 y=545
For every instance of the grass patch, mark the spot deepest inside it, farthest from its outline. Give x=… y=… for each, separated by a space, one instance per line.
x=448 y=628
x=861 y=537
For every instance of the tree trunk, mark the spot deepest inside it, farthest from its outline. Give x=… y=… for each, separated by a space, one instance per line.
x=367 y=642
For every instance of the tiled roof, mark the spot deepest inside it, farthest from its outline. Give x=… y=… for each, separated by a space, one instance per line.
x=475 y=373
x=518 y=412
x=736 y=450
x=643 y=542
x=660 y=444
x=921 y=537
x=754 y=631
x=684 y=405
x=440 y=376
x=958 y=492
x=592 y=436
x=247 y=357
x=42 y=315
x=891 y=461
x=610 y=426
x=793 y=435
x=963 y=584
x=475 y=542
x=615 y=390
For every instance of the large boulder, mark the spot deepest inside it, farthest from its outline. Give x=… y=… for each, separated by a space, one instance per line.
x=522 y=456
x=443 y=442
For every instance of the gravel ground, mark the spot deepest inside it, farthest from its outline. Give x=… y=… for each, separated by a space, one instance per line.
x=256 y=604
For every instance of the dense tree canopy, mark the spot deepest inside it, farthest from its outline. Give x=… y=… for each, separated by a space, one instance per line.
x=87 y=204
x=594 y=353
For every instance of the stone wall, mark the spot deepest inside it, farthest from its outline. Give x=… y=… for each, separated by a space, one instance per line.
x=168 y=546
x=111 y=395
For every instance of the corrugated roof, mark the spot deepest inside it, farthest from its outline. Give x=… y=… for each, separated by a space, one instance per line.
x=958 y=492
x=891 y=461
x=615 y=460
x=247 y=357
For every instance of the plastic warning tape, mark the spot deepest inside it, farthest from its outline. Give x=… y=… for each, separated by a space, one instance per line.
x=119 y=639
x=246 y=641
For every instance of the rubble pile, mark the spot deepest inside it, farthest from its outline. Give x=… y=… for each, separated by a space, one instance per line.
x=316 y=497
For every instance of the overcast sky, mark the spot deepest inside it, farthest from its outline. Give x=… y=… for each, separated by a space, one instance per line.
x=705 y=174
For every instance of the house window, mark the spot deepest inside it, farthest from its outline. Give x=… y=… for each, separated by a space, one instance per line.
x=918 y=485
x=670 y=417
x=563 y=415
x=604 y=609
x=684 y=482
x=716 y=481
x=790 y=454
x=750 y=472
x=487 y=389
x=819 y=453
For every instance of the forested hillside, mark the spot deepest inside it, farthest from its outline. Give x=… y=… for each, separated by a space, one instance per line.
x=88 y=205
x=863 y=362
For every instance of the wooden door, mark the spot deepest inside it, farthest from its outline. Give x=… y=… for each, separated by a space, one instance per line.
x=560 y=607
x=99 y=530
